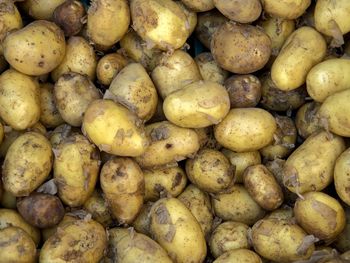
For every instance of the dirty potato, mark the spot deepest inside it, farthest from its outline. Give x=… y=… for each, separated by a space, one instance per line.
x=143 y=220
x=287 y=9
x=50 y=117
x=98 y=208
x=239 y=256
x=209 y=69
x=199 y=5
x=109 y=66
x=191 y=16
x=10 y=19
x=241 y=11
x=306 y=120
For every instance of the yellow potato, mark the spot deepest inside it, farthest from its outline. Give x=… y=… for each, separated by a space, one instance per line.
x=97 y=207
x=109 y=66
x=287 y=9
x=50 y=116
x=306 y=120
x=239 y=256
x=41 y=9
x=199 y=5
x=142 y=221
x=303 y=49
x=241 y=11
x=342 y=176
x=285 y=213
x=209 y=69
x=10 y=19
x=60 y=133
x=191 y=16
x=246 y=129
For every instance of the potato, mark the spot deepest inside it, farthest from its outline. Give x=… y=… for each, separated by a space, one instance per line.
x=143 y=220
x=19 y=100
x=303 y=49
x=239 y=11
x=41 y=9
x=342 y=176
x=169 y=143
x=262 y=186
x=342 y=243
x=123 y=185
x=109 y=66
x=80 y=58
x=241 y=161
x=160 y=22
x=27 y=164
x=175 y=72
x=246 y=129
x=287 y=9
x=310 y=166
x=306 y=120
x=177 y=231
x=8 y=200
x=284 y=139
x=232 y=46
x=162 y=182
x=228 y=236
x=209 y=69
x=39 y=128
x=281 y=240
x=80 y=240
x=285 y=213
x=60 y=133
x=191 y=16
x=320 y=215
x=50 y=115
x=48 y=232
x=11 y=218
x=244 y=90
x=131 y=247
x=203 y=104
x=107 y=22
x=17 y=246
x=199 y=5
x=210 y=171
x=76 y=168
x=237 y=205
x=134 y=89
x=239 y=256
x=42 y=48
x=41 y=210
x=114 y=129
x=10 y=19
x=98 y=208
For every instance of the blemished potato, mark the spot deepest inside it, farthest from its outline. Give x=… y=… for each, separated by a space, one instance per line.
x=73 y=93
x=284 y=139
x=239 y=11
x=11 y=218
x=281 y=240
x=237 y=205
x=123 y=185
x=342 y=176
x=143 y=220
x=27 y=164
x=109 y=66
x=239 y=256
x=19 y=100
x=199 y=5
x=10 y=19
x=320 y=215
x=342 y=243
x=232 y=46
x=198 y=202
x=209 y=69
x=175 y=72
x=210 y=171
x=246 y=129
x=263 y=187
x=285 y=213
x=306 y=120
x=42 y=48
x=169 y=143
x=241 y=161
x=244 y=90
x=114 y=129
x=287 y=9
x=134 y=89
x=310 y=167
x=17 y=246
x=48 y=232
x=191 y=16
x=97 y=206
x=228 y=236
x=60 y=133
x=79 y=57
x=160 y=22
x=41 y=9
x=303 y=49
x=130 y=247
x=198 y=105
x=41 y=210
x=175 y=228
x=79 y=240
x=164 y=181
x=50 y=117
x=75 y=170
x=107 y=22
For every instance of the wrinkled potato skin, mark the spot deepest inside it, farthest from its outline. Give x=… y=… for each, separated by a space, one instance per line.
x=41 y=210
x=209 y=69
x=310 y=166
x=19 y=100
x=246 y=129
x=177 y=231
x=342 y=176
x=27 y=164
x=10 y=19
x=303 y=49
x=199 y=5
x=41 y=9
x=42 y=48
x=50 y=117
x=287 y=9
x=306 y=120
x=142 y=221
x=80 y=58
x=123 y=185
x=241 y=11
x=98 y=208
x=239 y=256
x=109 y=66
x=79 y=240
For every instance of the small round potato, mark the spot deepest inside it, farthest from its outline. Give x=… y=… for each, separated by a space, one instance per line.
x=209 y=69
x=199 y=5
x=109 y=66
x=239 y=256
x=143 y=220
x=242 y=11
x=287 y=9
x=41 y=9
x=342 y=176
x=246 y=129
x=306 y=120
x=50 y=117
x=97 y=206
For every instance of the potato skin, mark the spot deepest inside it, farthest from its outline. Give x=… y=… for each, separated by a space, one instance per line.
x=239 y=11
x=41 y=9
x=177 y=231
x=142 y=221
x=50 y=117
x=97 y=206
x=40 y=52
x=109 y=66
x=287 y=9
x=209 y=69
x=199 y=5
x=239 y=256
x=10 y=19
x=306 y=120
x=342 y=176
x=257 y=123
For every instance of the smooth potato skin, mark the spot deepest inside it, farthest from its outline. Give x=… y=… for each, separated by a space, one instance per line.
x=239 y=256
x=109 y=66
x=240 y=11
x=342 y=176
x=199 y=5
x=287 y=9
x=50 y=116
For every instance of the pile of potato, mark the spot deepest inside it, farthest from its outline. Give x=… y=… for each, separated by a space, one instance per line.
x=119 y=142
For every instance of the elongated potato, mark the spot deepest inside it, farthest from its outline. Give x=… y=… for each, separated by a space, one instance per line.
x=342 y=176
x=306 y=120
x=310 y=167
x=97 y=206
x=209 y=69
x=246 y=129
x=114 y=129
x=199 y=5
x=109 y=66
x=287 y=9
x=50 y=117
x=239 y=11
x=303 y=49
x=177 y=231
x=41 y=9
x=239 y=256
